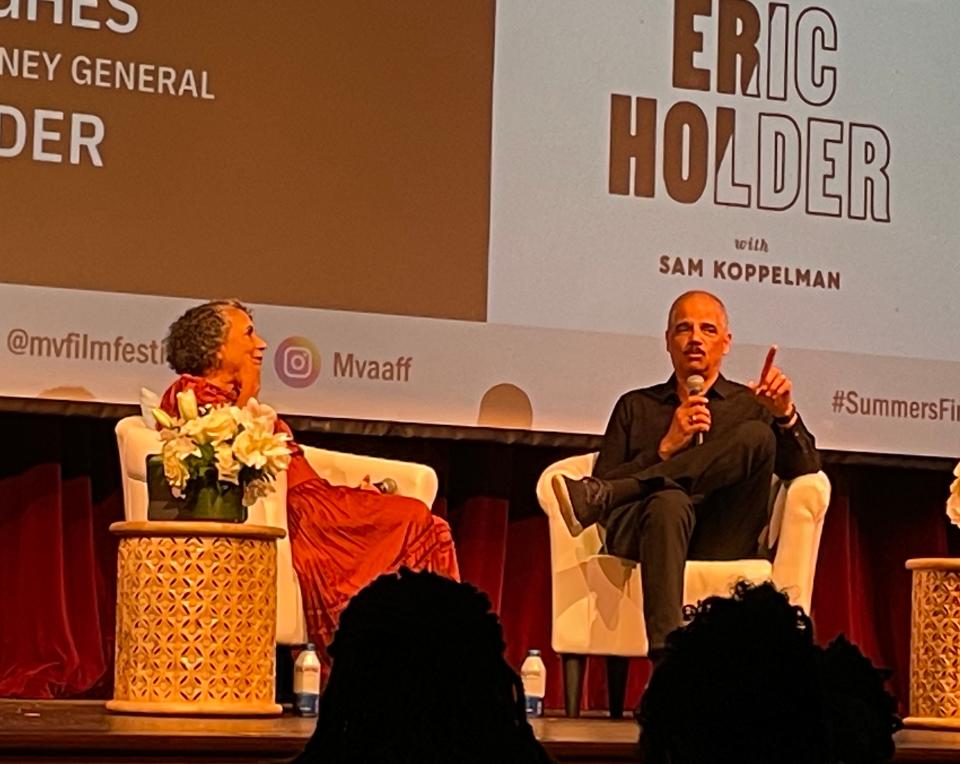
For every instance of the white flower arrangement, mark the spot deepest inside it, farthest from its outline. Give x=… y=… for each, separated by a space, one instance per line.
x=227 y=447
x=953 y=501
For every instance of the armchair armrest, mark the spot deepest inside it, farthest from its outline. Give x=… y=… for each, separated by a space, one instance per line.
x=136 y=442
x=417 y=481
x=567 y=552
x=809 y=494
x=804 y=509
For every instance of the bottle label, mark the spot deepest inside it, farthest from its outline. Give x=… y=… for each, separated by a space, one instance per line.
x=306 y=678
x=534 y=706
x=534 y=676
x=306 y=703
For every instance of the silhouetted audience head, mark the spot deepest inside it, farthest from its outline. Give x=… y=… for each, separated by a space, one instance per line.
x=419 y=675
x=744 y=682
x=861 y=714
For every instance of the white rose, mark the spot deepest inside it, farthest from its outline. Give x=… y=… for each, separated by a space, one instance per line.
x=175 y=471
x=256 y=416
x=263 y=451
x=175 y=451
x=216 y=427
x=219 y=425
x=278 y=455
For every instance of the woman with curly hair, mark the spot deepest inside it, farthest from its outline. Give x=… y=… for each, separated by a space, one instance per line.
x=341 y=538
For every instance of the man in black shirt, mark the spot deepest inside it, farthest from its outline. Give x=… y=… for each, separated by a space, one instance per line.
x=685 y=467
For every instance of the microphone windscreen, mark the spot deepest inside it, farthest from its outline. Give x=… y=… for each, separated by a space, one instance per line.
x=695 y=384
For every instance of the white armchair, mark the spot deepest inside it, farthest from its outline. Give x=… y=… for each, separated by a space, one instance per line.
x=597 y=598
x=136 y=441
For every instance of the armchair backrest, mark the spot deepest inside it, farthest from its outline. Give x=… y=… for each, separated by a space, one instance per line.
x=136 y=441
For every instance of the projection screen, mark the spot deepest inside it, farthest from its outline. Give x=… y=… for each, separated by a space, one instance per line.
x=475 y=214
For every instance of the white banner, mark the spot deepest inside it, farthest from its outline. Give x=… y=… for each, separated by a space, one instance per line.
x=81 y=345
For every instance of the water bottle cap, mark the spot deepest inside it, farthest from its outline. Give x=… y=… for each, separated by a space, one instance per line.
x=533 y=652
x=310 y=646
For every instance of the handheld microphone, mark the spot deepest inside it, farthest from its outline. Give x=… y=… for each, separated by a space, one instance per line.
x=387 y=485
x=694 y=385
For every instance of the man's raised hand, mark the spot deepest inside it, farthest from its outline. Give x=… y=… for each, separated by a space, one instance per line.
x=773 y=388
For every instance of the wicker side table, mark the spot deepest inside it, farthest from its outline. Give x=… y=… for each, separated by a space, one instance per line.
x=935 y=644
x=196 y=618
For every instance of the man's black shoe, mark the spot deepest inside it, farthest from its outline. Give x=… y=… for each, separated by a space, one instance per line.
x=581 y=501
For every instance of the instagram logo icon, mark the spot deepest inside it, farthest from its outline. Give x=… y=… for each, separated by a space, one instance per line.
x=297 y=362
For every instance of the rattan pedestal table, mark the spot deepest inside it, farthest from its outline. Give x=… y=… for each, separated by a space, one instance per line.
x=196 y=618
x=935 y=644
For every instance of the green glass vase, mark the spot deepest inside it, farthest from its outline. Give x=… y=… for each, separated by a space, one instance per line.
x=216 y=505
x=210 y=502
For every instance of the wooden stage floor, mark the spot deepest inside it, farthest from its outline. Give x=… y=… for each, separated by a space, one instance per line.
x=70 y=732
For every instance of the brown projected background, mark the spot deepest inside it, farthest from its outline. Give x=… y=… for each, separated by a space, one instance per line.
x=344 y=163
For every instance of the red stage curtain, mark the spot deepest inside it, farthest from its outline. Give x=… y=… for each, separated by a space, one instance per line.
x=878 y=519
x=56 y=621
x=60 y=490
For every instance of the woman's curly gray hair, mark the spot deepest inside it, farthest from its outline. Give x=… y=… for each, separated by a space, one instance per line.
x=196 y=337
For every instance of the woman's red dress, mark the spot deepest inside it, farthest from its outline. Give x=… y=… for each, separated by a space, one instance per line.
x=342 y=538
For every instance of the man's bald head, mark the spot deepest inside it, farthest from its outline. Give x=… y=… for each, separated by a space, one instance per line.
x=696 y=293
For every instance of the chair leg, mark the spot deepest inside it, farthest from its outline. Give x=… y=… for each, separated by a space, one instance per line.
x=573 y=668
x=617 y=669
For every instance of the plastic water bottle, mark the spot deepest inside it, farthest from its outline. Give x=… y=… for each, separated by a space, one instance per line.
x=306 y=681
x=534 y=676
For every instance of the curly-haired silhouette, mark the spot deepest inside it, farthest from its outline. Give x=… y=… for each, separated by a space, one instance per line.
x=419 y=675
x=861 y=713
x=744 y=682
